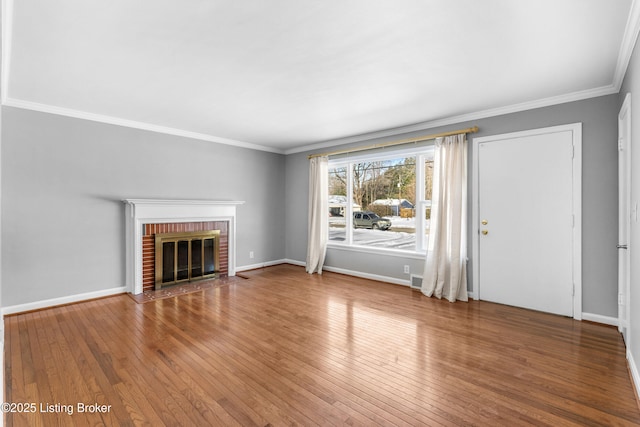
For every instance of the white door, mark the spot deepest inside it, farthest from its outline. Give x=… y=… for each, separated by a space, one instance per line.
x=624 y=214
x=526 y=220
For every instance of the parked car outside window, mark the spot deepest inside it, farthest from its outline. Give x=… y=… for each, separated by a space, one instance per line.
x=370 y=220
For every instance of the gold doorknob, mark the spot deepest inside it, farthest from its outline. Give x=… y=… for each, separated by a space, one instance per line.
x=485 y=232
x=485 y=222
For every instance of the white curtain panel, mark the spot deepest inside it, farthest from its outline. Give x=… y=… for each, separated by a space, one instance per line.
x=318 y=233
x=445 y=271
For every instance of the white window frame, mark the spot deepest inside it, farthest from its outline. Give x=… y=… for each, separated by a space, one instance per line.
x=421 y=153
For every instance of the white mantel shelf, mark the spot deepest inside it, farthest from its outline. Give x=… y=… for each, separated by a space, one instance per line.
x=173 y=202
x=157 y=211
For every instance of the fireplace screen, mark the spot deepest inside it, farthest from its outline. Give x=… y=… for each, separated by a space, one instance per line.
x=186 y=256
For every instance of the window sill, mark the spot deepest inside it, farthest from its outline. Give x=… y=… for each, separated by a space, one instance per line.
x=377 y=251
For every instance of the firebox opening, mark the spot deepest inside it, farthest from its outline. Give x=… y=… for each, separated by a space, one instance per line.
x=188 y=256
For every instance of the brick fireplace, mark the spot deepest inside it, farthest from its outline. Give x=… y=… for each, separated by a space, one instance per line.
x=146 y=218
x=150 y=231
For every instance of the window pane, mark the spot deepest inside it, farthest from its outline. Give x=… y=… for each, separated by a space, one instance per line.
x=337 y=203
x=386 y=190
x=383 y=196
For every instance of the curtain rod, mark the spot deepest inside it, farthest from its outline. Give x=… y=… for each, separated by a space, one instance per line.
x=399 y=142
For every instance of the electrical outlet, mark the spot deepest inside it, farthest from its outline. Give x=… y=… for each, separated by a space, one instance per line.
x=251 y=254
x=407 y=270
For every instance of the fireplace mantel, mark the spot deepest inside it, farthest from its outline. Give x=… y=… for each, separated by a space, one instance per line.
x=158 y=211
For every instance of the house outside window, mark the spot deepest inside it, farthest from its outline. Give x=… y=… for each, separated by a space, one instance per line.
x=381 y=200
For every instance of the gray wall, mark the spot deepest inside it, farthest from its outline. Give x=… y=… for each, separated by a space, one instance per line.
x=599 y=197
x=631 y=85
x=63 y=180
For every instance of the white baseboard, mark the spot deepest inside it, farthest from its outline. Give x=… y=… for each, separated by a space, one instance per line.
x=635 y=374
x=262 y=265
x=327 y=268
x=294 y=262
x=386 y=279
x=37 y=305
x=607 y=320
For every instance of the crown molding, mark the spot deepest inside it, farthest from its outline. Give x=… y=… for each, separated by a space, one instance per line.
x=629 y=38
x=393 y=132
x=493 y=112
x=44 y=108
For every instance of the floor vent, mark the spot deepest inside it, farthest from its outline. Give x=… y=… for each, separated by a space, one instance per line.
x=416 y=282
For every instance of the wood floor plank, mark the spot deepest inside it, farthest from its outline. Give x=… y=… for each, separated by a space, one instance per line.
x=287 y=348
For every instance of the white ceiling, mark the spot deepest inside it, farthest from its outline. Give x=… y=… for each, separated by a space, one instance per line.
x=284 y=75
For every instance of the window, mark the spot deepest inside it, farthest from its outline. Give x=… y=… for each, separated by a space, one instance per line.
x=379 y=200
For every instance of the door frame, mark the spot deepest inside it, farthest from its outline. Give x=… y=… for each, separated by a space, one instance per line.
x=576 y=129
x=624 y=128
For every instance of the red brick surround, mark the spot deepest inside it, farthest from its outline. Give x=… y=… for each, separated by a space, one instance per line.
x=148 y=245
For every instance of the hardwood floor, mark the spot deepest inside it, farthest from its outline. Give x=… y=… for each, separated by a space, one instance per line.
x=287 y=348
